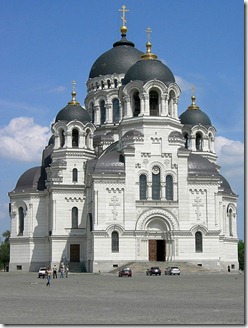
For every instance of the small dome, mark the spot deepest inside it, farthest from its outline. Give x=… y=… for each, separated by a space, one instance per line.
x=116 y=60
x=198 y=165
x=110 y=163
x=73 y=111
x=194 y=116
x=133 y=134
x=31 y=180
x=146 y=70
x=226 y=186
x=176 y=134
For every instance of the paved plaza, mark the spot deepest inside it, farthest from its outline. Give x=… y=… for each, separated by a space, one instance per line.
x=84 y=299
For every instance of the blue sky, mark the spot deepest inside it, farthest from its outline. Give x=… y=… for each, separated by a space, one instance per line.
x=45 y=45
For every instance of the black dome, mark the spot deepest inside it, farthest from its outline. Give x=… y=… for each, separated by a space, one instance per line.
x=116 y=60
x=226 y=186
x=31 y=180
x=198 y=165
x=146 y=70
x=73 y=112
x=195 y=117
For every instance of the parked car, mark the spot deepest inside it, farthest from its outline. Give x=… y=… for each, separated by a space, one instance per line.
x=172 y=271
x=42 y=272
x=153 y=270
x=125 y=272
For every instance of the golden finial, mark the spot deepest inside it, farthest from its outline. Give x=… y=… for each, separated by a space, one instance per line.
x=148 y=54
x=73 y=94
x=123 y=27
x=193 y=105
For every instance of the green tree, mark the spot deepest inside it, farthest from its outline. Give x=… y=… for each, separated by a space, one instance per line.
x=241 y=254
x=5 y=250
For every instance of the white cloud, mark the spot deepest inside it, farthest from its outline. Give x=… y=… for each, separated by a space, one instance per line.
x=183 y=84
x=23 y=140
x=231 y=159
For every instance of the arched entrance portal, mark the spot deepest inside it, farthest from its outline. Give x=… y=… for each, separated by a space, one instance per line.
x=159 y=239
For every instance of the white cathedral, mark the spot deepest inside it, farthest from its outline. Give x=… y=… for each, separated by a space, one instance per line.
x=125 y=178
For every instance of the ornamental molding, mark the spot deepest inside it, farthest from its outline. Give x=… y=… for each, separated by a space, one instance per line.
x=114 y=190
x=75 y=199
x=166 y=216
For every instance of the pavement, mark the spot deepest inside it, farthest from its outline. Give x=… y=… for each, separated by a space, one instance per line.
x=106 y=299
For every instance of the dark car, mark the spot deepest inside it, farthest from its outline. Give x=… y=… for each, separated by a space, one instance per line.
x=172 y=271
x=153 y=270
x=125 y=272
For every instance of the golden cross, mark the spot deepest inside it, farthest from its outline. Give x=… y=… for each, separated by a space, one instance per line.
x=124 y=10
x=148 y=31
x=73 y=86
x=193 y=90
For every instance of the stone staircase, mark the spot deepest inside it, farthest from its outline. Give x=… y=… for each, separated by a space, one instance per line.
x=76 y=267
x=141 y=267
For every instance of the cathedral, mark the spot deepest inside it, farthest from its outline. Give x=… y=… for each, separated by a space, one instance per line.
x=125 y=178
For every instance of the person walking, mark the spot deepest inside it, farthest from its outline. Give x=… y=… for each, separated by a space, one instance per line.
x=66 y=272
x=55 y=272
x=62 y=272
x=48 y=272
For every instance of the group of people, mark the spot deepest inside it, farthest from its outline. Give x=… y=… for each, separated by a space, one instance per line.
x=63 y=271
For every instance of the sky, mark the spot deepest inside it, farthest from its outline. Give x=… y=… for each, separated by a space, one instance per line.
x=45 y=45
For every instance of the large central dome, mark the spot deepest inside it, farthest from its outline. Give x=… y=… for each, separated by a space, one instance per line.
x=116 y=60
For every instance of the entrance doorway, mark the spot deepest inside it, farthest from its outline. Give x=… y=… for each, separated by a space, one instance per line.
x=156 y=250
x=74 y=253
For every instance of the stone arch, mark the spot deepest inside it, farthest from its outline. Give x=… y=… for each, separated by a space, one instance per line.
x=199 y=227
x=115 y=227
x=161 y=167
x=164 y=217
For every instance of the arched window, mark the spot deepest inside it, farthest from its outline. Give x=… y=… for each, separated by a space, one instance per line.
x=198 y=242
x=75 y=137
x=143 y=186
x=61 y=137
x=136 y=104
x=91 y=112
x=103 y=112
x=153 y=100
x=20 y=221
x=172 y=96
x=230 y=214
x=115 y=83
x=186 y=138
x=169 y=187
x=115 y=241
x=74 y=175
x=74 y=217
x=156 y=183
x=198 y=141
x=88 y=139
x=116 y=111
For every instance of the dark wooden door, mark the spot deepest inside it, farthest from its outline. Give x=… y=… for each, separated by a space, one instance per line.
x=152 y=250
x=74 y=253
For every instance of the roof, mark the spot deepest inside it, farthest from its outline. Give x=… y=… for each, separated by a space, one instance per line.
x=116 y=60
x=73 y=112
x=31 y=180
x=146 y=70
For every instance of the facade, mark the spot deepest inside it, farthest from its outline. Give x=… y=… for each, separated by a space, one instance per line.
x=126 y=178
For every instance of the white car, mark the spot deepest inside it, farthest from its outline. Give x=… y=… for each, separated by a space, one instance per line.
x=42 y=272
x=172 y=271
